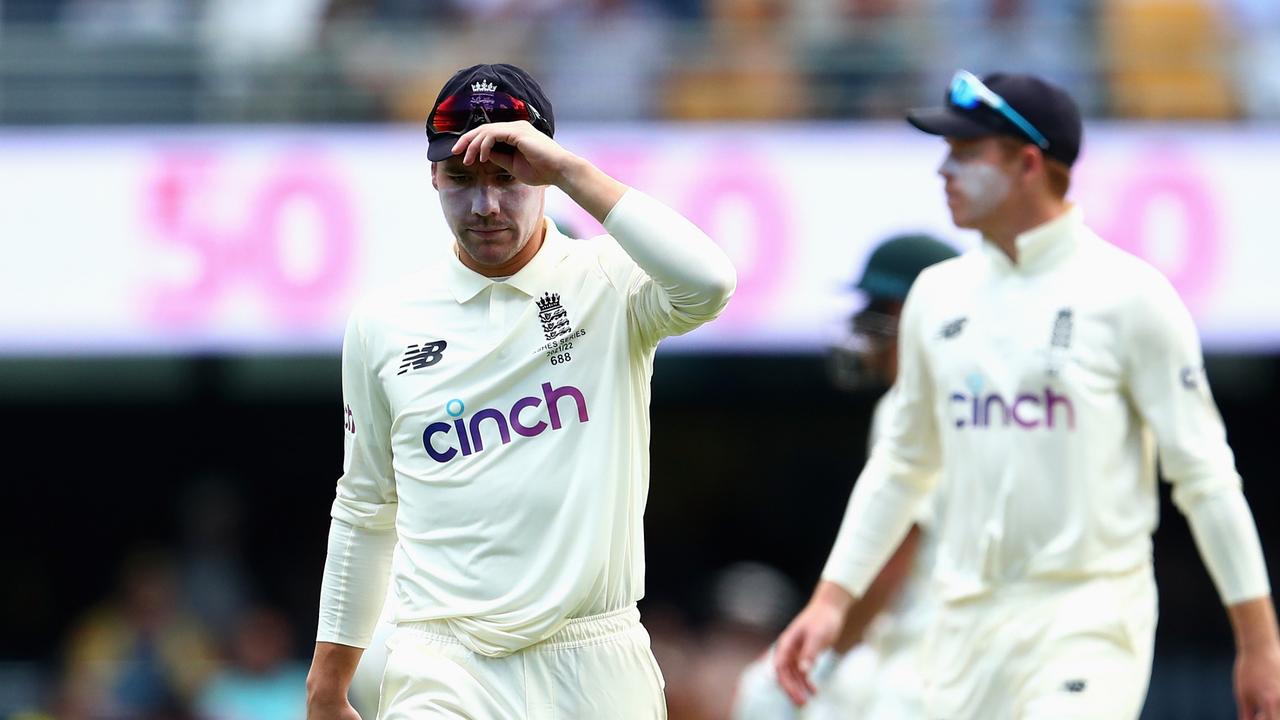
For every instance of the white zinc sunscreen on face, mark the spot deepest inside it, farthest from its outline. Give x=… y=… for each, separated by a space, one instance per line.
x=981 y=184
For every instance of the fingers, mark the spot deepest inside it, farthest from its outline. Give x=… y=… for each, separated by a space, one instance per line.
x=1258 y=701
x=808 y=655
x=476 y=144
x=464 y=142
x=479 y=149
x=1267 y=708
x=786 y=664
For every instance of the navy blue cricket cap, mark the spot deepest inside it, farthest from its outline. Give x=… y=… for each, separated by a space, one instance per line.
x=1046 y=106
x=485 y=93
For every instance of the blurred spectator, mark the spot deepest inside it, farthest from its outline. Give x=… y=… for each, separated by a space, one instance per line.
x=262 y=682
x=629 y=51
x=117 y=21
x=254 y=53
x=130 y=61
x=140 y=655
x=1255 y=30
x=743 y=68
x=30 y=11
x=1053 y=38
x=861 y=56
x=1167 y=59
x=487 y=11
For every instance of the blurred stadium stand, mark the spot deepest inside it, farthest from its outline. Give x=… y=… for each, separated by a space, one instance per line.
x=221 y=468
x=167 y=61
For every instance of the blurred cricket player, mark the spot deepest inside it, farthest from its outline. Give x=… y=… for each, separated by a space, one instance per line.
x=1039 y=374
x=497 y=433
x=872 y=672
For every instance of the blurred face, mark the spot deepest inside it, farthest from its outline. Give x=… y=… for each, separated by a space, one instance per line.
x=980 y=178
x=492 y=215
x=868 y=355
x=881 y=356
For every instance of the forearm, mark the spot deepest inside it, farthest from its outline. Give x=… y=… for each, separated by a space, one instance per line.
x=883 y=589
x=332 y=668
x=590 y=187
x=354 y=587
x=1254 y=624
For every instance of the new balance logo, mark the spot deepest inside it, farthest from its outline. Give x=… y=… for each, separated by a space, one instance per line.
x=421 y=356
x=953 y=328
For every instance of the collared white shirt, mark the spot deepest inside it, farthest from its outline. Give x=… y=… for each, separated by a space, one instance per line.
x=1038 y=388
x=503 y=428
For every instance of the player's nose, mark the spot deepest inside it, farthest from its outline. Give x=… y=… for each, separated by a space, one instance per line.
x=947 y=168
x=485 y=201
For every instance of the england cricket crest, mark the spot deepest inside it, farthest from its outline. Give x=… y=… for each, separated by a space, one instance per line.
x=1060 y=342
x=554 y=318
x=556 y=330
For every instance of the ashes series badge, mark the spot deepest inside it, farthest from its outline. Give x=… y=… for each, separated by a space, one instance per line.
x=556 y=329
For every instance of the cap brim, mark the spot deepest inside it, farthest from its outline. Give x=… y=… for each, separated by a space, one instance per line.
x=949 y=123
x=441 y=147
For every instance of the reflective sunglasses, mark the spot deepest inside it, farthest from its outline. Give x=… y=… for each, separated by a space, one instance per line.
x=967 y=91
x=457 y=114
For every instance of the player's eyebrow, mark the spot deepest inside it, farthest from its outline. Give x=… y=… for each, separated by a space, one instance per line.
x=454 y=166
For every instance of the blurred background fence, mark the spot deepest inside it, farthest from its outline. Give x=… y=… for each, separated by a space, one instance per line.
x=171 y=427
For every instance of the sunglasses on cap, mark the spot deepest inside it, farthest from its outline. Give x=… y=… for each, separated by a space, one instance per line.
x=459 y=113
x=967 y=91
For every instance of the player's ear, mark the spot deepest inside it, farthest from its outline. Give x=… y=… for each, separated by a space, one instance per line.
x=435 y=168
x=1032 y=160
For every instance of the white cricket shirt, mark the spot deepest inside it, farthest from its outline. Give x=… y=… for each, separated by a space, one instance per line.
x=1038 y=388
x=500 y=432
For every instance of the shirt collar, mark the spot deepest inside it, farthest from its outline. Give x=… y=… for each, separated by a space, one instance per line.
x=1041 y=246
x=531 y=279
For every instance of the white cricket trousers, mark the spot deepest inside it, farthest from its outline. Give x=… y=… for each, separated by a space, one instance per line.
x=595 y=667
x=1045 y=650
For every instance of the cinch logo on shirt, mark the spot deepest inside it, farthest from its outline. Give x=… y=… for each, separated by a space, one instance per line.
x=1027 y=410
x=467 y=432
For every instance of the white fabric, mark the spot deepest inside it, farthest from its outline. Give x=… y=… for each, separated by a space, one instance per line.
x=513 y=466
x=599 y=667
x=1037 y=389
x=1045 y=650
x=354 y=590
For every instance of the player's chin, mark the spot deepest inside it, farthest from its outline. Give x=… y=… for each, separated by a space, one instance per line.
x=494 y=255
x=960 y=218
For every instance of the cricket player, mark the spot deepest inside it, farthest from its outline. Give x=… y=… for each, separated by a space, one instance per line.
x=872 y=671
x=1039 y=374
x=496 y=460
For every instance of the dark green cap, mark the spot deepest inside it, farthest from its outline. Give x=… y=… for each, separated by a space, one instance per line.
x=894 y=265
